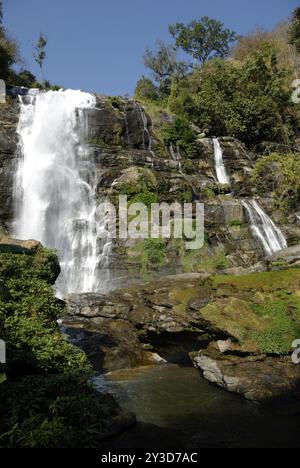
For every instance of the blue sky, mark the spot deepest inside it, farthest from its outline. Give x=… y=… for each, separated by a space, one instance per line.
x=97 y=45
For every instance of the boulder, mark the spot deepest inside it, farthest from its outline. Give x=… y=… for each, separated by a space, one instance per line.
x=257 y=378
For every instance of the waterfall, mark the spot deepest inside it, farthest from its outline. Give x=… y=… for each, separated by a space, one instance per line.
x=219 y=163
x=264 y=229
x=55 y=187
x=145 y=130
x=176 y=156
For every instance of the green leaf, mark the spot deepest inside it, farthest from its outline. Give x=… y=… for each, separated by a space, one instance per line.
x=3 y=377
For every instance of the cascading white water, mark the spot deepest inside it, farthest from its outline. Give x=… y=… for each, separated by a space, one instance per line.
x=145 y=130
x=55 y=187
x=264 y=229
x=221 y=172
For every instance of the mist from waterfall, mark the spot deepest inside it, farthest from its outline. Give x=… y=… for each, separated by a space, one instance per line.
x=264 y=229
x=221 y=172
x=55 y=187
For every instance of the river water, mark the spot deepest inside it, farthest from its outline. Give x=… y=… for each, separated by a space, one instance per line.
x=176 y=407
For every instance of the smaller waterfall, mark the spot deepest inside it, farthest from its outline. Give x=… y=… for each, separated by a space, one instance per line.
x=145 y=129
x=176 y=156
x=219 y=163
x=264 y=229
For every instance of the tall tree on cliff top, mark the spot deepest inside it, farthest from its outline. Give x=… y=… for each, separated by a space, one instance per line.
x=203 y=39
x=1 y=12
x=40 y=54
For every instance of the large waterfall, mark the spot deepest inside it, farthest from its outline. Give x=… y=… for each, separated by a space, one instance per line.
x=221 y=172
x=55 y=187
x=264 y=229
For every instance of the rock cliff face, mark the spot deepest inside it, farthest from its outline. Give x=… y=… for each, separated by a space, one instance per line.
x=131 y=160
x=9 y=115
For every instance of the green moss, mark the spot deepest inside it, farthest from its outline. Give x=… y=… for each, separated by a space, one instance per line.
x=150 y=254
x=282 y=323
x=269 y=281
x=204 y=259
x=183 y=296
x=142 y=189
x=268 y=321
x=236 y=223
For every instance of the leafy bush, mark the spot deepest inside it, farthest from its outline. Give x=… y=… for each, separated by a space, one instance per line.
x=146 y=90
x=249 y=100
x=52 y=412
x=279 y=173
x=180 y=133
x=46 y=399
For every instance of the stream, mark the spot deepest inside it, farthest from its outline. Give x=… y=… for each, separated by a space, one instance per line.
x=176 y=407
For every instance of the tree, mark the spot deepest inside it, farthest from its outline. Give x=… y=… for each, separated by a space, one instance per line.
x=164 y=65
x=203 y=39
x=40 y=54
x=294 y=32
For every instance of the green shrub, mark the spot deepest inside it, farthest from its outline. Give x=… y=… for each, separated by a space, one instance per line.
x=249 y=100
x=46 y=400
x=180 y=133
x=279 y=173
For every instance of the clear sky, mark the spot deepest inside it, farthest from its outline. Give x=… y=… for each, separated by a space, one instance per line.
x=97 y=45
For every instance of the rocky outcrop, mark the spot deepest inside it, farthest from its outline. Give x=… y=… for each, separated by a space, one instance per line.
x=241 y=317
x=285 y=258
x=257 y=378
x=119 y=325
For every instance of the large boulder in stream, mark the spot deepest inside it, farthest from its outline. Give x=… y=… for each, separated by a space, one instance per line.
x=257 y=378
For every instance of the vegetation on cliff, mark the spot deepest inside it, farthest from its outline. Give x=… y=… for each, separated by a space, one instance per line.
x=246 y=96
x=278 y=174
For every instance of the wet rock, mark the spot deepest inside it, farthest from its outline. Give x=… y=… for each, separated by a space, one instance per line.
x=9 y=115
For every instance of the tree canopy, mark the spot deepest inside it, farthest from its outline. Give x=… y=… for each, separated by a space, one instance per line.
x=203 y=39
x=164 y=64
